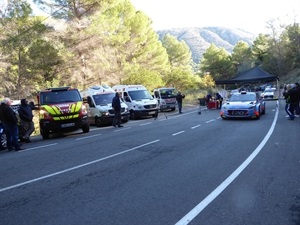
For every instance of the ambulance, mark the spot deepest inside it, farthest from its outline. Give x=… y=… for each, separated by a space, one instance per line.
x=138 y=99
x=166 y=98
x=98 y=100
x=61 y=109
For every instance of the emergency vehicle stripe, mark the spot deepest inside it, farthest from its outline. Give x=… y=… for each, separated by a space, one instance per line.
x=56 y=109
x=50 y=109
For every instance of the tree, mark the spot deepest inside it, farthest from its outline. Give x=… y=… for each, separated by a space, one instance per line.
x=241 y=56
x=217 y=62
x=19 y=33
x=180 y=58
x=291 y=35
x=260 y=48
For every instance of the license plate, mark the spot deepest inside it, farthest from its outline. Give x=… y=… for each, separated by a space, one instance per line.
x=68 y=125
x=151 y=113
x=239 y=113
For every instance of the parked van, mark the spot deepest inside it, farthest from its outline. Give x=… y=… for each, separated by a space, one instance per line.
x=166 y=98
x=61 y=109
x=99 y=105
x=138 y=99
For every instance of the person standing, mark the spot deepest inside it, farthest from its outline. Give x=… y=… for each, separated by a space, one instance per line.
x=10 y=123
x=116 y=104
x=297 y=100
x=289 y=95
x=220 y=99
x=26 y=116
x=179 y=98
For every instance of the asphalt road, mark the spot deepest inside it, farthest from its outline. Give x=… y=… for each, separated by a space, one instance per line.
x=179 y=169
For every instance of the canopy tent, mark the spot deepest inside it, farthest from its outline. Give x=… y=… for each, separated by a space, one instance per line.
x=253 y=75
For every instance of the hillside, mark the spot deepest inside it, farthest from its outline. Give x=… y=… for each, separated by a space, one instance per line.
x=199 y=39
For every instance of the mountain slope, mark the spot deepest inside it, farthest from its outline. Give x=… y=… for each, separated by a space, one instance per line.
x=199 y=39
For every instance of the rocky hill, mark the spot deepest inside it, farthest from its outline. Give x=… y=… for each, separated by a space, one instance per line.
x=199 y=39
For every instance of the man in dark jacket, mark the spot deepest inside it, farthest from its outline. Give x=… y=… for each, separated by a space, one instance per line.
x=26 y=116
x=290 y=98
x=116 y=104
x=297 y=101
x=179 y=98
x=10 y=123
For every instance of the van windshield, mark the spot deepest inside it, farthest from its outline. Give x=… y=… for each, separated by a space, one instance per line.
x=104 y=99
x=167 y=93
x=53 y=97
x=139 y=95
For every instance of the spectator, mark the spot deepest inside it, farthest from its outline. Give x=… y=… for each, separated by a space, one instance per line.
x=26 y=116
x=179 y=98
x=220 y=99
x=10 y=123
x=297 y=101
x=116 y=104
x=290 y=95
x=208 y=98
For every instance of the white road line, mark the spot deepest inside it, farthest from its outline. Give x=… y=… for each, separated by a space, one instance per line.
x=215 y=193
x=143 y=124
x=209 y=121
x=91 y=136
x=43 y=146
x=122 y=129
x=178 y=133
x=77 y=167
x=195 y=126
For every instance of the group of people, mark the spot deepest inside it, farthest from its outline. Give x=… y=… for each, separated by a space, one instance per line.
x=218 y=97
x=17 y=127
x=291 y=94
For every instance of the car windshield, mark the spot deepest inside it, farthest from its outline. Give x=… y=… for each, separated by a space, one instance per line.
x=53 y=97
x=242 y=98
x=103 y=99
x=139 y=95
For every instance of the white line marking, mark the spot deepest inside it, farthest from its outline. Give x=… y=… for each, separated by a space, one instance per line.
x=122 y=129
x=215 y=193
x=143 y=124
x=43 y=146
x=209 y=121
x=178 y=133
x=78 y=139
x=77 y=167
x=196 y=126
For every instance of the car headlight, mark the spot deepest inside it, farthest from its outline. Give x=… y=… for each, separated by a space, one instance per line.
x=44 y=113
x=105 y=113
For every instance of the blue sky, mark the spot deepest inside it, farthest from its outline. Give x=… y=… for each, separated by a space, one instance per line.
x=248 y=15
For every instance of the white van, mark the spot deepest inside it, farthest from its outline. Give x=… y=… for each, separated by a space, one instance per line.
x=99 y=100
x=166 y=98
x=138 y=99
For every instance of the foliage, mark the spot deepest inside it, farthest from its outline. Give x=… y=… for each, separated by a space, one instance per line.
x=108 y=41
x=21 y=35
x=241 y=57
x=217 y=62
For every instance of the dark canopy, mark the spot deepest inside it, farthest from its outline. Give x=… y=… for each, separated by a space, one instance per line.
x=253 y=75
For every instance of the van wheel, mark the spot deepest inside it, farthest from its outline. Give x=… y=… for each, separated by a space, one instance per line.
x=98 y=122
x=45 y=134
x=132 y=115
x=86 y=128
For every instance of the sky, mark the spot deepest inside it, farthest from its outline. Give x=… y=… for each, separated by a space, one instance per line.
x=249 y=15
